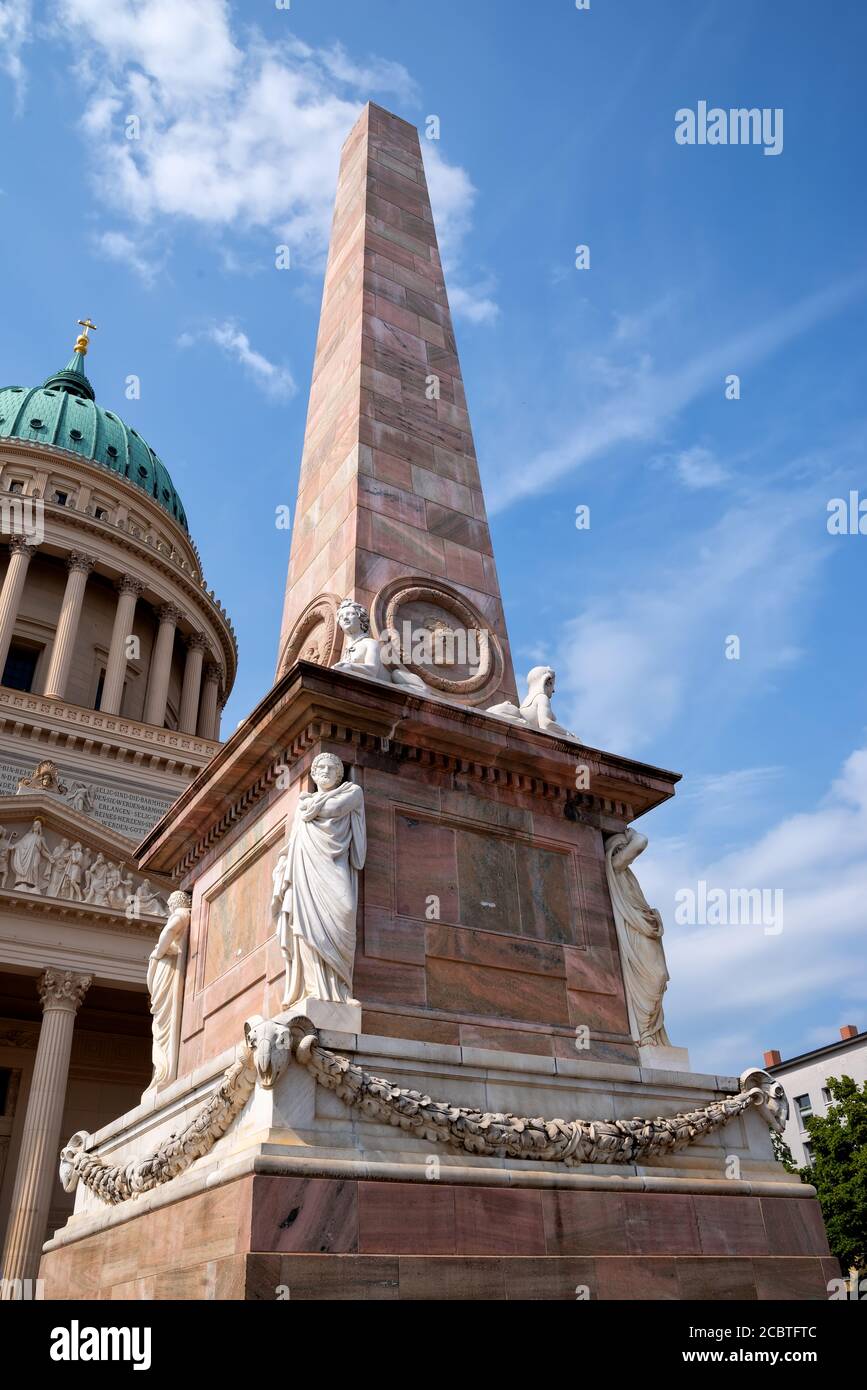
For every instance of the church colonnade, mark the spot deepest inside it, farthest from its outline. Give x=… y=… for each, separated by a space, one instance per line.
x=202 y=676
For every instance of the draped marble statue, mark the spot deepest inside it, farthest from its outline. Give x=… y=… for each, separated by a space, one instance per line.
x=165 y=980
x=27 y=859
x=639 y=935
x=535 y=709
x=316 y=887
x=369 y=656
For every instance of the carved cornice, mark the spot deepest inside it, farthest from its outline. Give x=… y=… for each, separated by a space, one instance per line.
x=363 y=720
x=103 y=734
x=110 y=919
x=63 y=989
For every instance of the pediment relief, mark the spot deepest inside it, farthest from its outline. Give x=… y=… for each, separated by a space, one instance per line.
x=48 y=850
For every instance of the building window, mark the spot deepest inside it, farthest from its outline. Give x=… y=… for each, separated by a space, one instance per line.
x=20 y=667
x=61 y=498
x=16 y=486
x=5 y=1080
x=99 y=685
x=808 y=1155
x=826 y=1096
x=805 y=1106
x=101 y=514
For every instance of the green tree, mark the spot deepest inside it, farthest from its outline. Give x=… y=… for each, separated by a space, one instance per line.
x=839 y=1170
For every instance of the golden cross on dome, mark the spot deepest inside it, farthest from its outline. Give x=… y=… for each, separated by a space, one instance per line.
x=82 y=342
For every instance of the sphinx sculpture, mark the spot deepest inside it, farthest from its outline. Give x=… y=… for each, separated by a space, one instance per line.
x=369 y=656
x=639 y=934
x=535 y=710
x=165 y=981
x=316 y=887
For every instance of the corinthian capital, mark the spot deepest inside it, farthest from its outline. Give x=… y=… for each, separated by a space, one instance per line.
x=20 y=545
x=128 y=585
x=63 y=989
x=75 y=560
x=168 y=613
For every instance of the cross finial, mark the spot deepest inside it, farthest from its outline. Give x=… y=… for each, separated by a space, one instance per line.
x=82 y=342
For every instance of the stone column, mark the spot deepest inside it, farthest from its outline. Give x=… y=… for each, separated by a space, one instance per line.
x=161 y=666
x=128 y=591
x=21 y=553
x=61 y=992
x=196 y=648
x=210 y=711
x=79 y=567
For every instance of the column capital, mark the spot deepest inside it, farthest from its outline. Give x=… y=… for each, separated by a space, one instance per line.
x=127 y=584
x=77 y=560
x=168 y=613
x=213 y=672
x=198 y=642
x=63 y=989
x=20 y=545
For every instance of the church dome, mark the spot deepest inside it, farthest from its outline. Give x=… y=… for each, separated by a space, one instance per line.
x=62 y=413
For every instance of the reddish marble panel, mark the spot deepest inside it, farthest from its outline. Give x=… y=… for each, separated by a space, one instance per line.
x=794 y=1226
x=498 y=1221
x=405 y=1218
x=488 y=882
x=467 y=989
x=425 y=865
x=466 y=1280
x=717 y=1281
x=661 y=1223
x=546 y=891
x=632 y=1279
x=387 y=937
x=347 y=1278
x=508 y=1039
x=490 y=948
x=731 y=1225
x=793 y=1278
x=584 y=1223
x=319 y=1215
x=550 y=1279
x=395 y=1025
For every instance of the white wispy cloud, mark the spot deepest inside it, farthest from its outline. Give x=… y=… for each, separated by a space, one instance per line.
x=641 y=401
x=699 y=468
x=274 y=379
x=763 y=982
x=128 y=251
x=232 y=133
x=630 y=661
x=16 y=24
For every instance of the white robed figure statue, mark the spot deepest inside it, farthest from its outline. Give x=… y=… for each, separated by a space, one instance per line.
x=639 y=935
x=316 y=887
x=165 y=980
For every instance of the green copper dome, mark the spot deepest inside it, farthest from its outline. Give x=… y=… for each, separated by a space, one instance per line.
x=63 y=413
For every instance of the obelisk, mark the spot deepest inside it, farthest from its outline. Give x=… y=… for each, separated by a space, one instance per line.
x=389 y=486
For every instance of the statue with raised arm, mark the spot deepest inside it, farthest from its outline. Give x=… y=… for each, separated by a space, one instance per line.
x=165 y=980
x=316 y=887
x=535 y=709
x=369 y=656
x=639 y=935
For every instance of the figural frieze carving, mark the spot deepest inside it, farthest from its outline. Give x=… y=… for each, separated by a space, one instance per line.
x=316 y=887
x=30 y=863
x=535 y=710
x=639 y=936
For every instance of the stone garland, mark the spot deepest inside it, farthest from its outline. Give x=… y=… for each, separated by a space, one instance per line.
x=267 y=1048
x=264 y=1056
x=570 y=1142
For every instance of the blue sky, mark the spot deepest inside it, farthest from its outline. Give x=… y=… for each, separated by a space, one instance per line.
x=602 y=387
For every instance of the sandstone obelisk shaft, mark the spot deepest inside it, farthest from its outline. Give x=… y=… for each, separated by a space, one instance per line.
x=389 y=482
